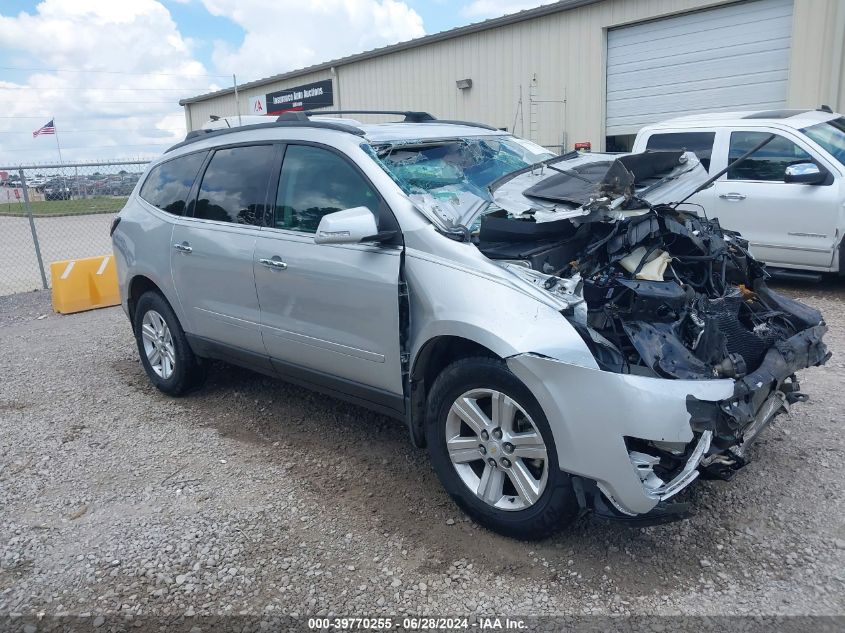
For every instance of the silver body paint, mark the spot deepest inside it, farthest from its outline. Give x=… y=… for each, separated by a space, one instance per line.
x=454 y=291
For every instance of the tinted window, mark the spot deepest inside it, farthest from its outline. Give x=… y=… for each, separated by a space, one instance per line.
x=168 y=185
x=768 y=163
x=234 y=186
x=315 y=182
x=699 y=142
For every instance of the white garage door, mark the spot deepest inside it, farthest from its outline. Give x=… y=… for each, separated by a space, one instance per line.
x=730 y=58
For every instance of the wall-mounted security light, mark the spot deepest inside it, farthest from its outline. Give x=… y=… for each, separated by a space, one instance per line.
x=464 y=84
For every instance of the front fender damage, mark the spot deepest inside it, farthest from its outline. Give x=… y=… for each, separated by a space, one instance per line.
x=594 y=415
x=635 y=451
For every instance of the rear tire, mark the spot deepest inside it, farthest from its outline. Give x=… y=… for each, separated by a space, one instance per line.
x=501 y=467
x=167 y=358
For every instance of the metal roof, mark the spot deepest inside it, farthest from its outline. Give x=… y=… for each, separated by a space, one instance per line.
x=485 y=25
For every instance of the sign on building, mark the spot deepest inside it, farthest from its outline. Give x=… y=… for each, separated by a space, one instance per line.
x=257 y=105
x=306 y=97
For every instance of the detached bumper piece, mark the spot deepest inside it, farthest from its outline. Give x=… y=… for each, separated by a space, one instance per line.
x=759 y=398
x=592 y=500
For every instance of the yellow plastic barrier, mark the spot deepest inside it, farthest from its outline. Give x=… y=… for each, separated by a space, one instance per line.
x=84 y=284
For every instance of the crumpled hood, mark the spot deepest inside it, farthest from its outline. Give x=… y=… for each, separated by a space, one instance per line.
x=575 y=185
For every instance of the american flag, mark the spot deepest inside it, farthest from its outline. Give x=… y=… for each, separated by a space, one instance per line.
x=49 y=128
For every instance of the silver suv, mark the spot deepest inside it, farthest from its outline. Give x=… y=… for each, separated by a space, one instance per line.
x=557 y=330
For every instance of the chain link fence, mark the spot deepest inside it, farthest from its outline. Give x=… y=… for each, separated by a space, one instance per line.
x=55 y=212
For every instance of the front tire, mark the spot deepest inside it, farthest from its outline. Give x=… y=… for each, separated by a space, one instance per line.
x=165 y=354
x=493 y=450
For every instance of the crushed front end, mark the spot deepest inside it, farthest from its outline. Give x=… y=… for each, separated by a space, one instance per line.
x=670 y=299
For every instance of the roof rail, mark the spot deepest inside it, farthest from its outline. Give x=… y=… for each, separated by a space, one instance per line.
x=198 y=135
x=467 y=123
x=410 y=116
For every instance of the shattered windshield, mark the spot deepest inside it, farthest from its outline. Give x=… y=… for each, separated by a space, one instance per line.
x=448 y=167
x=831 y=136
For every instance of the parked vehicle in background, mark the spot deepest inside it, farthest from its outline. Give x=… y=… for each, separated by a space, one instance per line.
x=57 y=189
x=558 y=334
x=788 y=199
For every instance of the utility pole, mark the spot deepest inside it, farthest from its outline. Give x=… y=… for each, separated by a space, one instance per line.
x=237 y=98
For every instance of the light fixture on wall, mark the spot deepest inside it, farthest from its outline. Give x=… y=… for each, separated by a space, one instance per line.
x=464 y=84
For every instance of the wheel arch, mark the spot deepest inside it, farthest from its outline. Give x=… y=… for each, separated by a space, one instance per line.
x=433 y=356
x=137 y=286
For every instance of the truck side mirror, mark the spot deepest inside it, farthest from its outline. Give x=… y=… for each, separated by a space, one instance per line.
x=806 y=173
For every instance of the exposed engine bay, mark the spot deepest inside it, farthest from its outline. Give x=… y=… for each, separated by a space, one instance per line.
x=654 y=288
x=666 y=293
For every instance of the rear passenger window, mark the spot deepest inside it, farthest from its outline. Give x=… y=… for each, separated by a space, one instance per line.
x=314 y=183
x=769 y=162
x=234 y=186
x=167 y=186
x=699 y=142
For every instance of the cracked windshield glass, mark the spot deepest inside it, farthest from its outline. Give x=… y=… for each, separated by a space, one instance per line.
x=450 y=178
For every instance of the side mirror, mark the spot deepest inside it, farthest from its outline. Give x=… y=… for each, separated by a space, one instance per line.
x=349 y=226
x=806 y=173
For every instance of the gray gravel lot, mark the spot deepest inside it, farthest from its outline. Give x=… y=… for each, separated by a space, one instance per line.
x=252 y=496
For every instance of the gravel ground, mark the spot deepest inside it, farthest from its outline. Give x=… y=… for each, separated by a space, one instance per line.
x=255 y=497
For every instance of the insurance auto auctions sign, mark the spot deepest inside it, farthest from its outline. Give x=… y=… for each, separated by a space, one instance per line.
x=306 y=97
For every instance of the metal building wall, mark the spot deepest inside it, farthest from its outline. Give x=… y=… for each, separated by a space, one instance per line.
x=817 y=66
x=553 y=58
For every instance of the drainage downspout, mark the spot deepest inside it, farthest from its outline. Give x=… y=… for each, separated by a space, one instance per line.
x=336 y=77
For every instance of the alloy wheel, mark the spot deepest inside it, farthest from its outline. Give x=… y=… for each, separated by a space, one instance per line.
x=496 y=449
x=158 y=344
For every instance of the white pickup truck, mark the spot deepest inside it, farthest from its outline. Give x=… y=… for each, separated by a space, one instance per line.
x=788 y=198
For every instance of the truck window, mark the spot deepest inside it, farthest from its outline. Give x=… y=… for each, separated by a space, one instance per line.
x=768 y=163
x=699 y=142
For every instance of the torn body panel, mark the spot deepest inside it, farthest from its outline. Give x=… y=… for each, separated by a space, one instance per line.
x=683 y=353
x=591 y=428
x=673 y=303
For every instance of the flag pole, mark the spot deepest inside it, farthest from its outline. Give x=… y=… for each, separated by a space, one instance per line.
x=61 y=162
x=56 y=134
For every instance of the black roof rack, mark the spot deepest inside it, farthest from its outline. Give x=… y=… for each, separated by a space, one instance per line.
x=303 y=118
x=410 y=116
x=196 y=135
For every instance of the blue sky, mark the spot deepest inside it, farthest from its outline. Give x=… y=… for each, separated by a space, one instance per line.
x=112 y=71
x=196 y=22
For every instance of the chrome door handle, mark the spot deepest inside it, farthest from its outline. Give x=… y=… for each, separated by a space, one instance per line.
x=183 y=247
x=732 y=196
x=273 y=263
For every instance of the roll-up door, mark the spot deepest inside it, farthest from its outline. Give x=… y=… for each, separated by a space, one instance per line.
x=734 y=57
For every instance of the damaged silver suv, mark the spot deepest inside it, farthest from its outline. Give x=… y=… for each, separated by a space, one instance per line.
x=557 y=330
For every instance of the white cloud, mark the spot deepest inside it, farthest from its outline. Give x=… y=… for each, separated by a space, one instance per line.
x=289 y=34
x=103 y=114
x=483 y=9
x=107 y=114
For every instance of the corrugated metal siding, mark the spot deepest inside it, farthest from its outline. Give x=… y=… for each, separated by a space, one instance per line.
x=817 y=71
x=730 y=58
x=562 y=55
x=557 y=61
